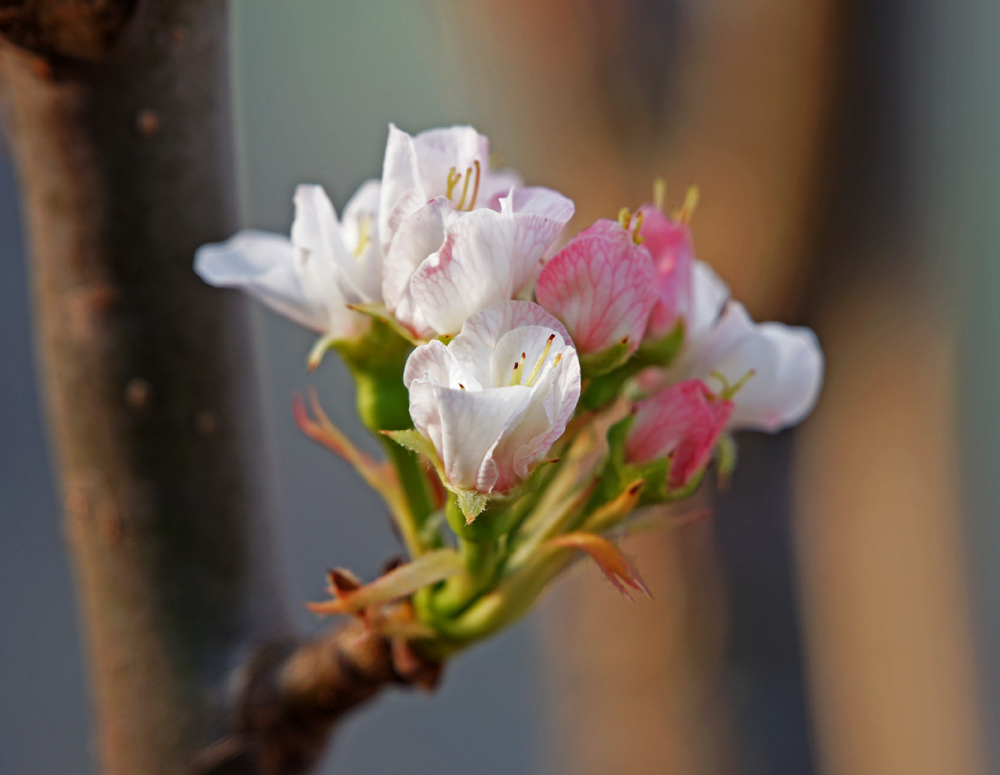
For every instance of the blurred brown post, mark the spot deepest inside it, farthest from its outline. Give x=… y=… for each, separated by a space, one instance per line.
x=118 y=115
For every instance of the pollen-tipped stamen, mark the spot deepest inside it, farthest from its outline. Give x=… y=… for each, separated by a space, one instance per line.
x=475 y=188
x=453 y=178
x=465 y=189
x=659 y=193
x=625 y=218
x=541 y=361
x=636 y=237
x=685 y=212
x=515 y=378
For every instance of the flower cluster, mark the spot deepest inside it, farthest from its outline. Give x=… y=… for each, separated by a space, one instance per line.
x=532 y=392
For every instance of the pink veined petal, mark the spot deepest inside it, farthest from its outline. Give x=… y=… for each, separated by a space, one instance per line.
x=683 y=421
x=264 y=265
x=486 y=258
x=418 y=236
x=602 y=286
x=475 y=346
x=669 y=243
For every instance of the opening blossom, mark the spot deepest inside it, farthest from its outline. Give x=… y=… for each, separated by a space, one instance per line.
x=444 y=252
x=458 y=237
x=495 y=399
x=311 y=277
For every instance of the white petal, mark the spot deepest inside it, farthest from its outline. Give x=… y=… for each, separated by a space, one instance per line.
x=499 y=185
x=418 y=236
x=708 y=296
x=538 y=200
x=359 y=230
x=458 y=147
x=264 y=265
x=486 y=258
x=553 y=400
x=437 y=363
x=362 y=205
x=788 y=366
x=401 y=192
x=465 y=426
x=475 y=346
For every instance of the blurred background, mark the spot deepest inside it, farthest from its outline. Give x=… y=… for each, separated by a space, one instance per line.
x=841 y=612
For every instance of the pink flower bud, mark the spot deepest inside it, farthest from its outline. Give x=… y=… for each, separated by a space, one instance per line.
x=682 y=421
x=669 y=243
x=601 y=286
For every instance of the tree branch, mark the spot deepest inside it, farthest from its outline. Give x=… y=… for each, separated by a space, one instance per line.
x=119 y=122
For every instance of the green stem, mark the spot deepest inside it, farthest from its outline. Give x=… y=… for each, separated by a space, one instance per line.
x=413 y=480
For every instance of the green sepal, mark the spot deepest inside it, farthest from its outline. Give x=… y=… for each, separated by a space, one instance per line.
x=471 y=503
x=725 y=456
x=662 y=352
x=659 y=353
x=382 y=314
x=415 y=441
x=609 y=359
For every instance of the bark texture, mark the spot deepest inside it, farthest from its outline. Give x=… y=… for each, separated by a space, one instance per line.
x=119 y=118
x=125 y=164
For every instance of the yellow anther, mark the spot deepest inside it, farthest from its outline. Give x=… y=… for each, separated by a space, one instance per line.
x=465 y=188
x=453 y=178
x=685 y=212
x=636 y=237
x=515 y=378
x=625 y=217
x=475 y=189
x=659 y=193
x=541 y=361
x=461 y=386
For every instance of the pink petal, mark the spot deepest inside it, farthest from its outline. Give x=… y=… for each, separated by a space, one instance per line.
x=602 y=286
x=669 y=242
x=683 y=421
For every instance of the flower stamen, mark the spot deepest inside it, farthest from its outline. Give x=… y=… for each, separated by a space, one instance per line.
x=636 y=237
x=659 y=193
x=475 y=188
x=730 y=390
x=364 y=235
x=685 y=212
x=625 y=218
x=453 y=178
x=541 y=360
x=515 y=378
x=465 y=188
